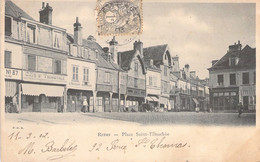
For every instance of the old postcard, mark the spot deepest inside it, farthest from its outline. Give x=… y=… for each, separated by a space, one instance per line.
x=129 y=80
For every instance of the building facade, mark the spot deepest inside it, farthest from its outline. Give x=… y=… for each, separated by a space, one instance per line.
x=42 y=50
x=232 y=79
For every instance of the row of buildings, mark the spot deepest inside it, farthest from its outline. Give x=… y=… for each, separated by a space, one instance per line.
x=50 y=70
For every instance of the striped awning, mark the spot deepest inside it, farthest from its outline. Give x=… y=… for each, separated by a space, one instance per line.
x=37 y=89
x=152 y=98
x=10 y=88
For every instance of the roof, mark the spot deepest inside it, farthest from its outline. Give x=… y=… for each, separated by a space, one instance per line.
x=13 y=10
x=247 y=59
x=155 y=52
x=126 y=58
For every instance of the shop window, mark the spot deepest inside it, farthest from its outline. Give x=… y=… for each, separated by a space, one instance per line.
x=99 y=101
x=8 y=26
x=220 y=94
x=226 y=94
x=75 y=75
x=86 y=76
x=107 y=77
x=8 y=59
x=233 y=93
x=31 y=33
x=232 y=79
x=251 y=100
x=57 y=39
x=245 y=78
x=57 y=66
x=31 y=63
x=220 y=80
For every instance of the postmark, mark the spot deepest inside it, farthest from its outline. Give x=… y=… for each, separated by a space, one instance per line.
x=119 y=17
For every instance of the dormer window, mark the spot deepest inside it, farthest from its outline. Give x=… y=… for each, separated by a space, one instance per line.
x=151 y=62
x=31 y=33
x=57 y=39
x=233 y=61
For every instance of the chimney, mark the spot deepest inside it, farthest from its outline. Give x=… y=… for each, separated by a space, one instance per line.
x=139 y=46
x=113 y=50
x=175 y=63
x=77 y=32
x=235 y=47
x=186 y=70
x=46 y=14
x=213 y=62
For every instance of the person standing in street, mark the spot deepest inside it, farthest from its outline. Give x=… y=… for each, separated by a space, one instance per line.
x=85 y=105
x=239 y=109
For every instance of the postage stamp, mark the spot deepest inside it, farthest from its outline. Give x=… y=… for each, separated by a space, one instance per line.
x=119 y=17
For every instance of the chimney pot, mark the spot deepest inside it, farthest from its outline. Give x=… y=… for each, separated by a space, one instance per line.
x=43 y=4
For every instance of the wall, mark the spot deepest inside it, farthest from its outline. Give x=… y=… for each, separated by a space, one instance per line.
x=81 y=65
x=17 y=54
x=112 y=85
x=213 y=77
x=155 y=88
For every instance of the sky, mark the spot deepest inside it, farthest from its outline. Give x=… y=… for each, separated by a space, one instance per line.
x=197 y=32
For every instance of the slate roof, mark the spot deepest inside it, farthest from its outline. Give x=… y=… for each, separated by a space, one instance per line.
x=154 y=52
x=13 y=10
x=247 y=59
x=126 y=58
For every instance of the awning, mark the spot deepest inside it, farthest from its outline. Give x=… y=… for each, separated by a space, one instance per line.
x=10 y=88
x=164 y=100
x=152 y=98
x=195 y=100
x=36 y=90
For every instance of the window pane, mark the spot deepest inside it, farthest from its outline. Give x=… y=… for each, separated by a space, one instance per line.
x=245 y=78
x=232 y=78
x=31 y=62
x=8 y=26
x=8 y=59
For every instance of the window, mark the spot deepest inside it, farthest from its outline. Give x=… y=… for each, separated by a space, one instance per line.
x=57 y=66
x=136 y=67
x=56 y=39
x=86 y=53
x=232 y=79
x=150 y=80
x=31 y=63
x=31 y=38
x=8 y=59
x=107 y=77
x=86 y=75
x=8 y=26
x=220 y=80
x=165 y=70
x=135 y=82
x=245 y=78
x=75 y=75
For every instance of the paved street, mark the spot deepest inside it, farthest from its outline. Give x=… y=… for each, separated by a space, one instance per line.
x=176 y=118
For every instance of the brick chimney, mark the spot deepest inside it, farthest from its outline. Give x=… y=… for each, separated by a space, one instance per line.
x=138 y=45
x=77 y=32
x=187 y=70
x=113 y=50
x=46 y=14
x=235 y=47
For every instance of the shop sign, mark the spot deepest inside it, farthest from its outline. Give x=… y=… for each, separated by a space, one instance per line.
x=13 y=74
x=44 y=77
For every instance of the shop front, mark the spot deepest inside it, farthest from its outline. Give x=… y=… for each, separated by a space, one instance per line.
x=75 y=100
x=42 y=98
x=42 y=92
x=12 y=90
x=135 y=98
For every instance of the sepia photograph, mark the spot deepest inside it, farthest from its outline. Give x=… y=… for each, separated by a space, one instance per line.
x=128 y=71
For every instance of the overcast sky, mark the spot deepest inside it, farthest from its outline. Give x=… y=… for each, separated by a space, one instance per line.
x=197 y=32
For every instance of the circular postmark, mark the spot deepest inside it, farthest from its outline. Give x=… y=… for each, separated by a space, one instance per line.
x=119 y=18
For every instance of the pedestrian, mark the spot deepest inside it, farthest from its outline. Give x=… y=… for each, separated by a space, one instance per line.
x=85 y=105
x=14 y=100
x=240 y=109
